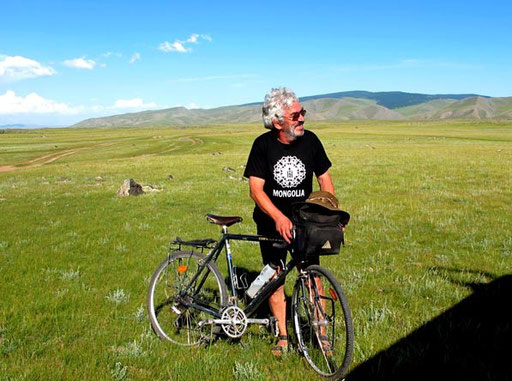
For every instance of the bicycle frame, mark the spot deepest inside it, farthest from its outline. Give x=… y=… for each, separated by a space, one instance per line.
x=189 y=302
x=264 y=293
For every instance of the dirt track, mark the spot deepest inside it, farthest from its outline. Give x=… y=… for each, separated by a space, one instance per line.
x=47 y=158
x=192 y=141
x=50 y=157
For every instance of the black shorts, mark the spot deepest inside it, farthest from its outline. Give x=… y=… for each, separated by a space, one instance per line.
x=270 y=254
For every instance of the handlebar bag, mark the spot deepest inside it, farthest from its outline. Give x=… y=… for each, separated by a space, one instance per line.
x=318 y=230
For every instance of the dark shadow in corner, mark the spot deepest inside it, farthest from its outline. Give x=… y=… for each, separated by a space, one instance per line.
x=470 y=341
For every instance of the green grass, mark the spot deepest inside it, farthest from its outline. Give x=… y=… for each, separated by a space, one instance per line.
x=75 y=260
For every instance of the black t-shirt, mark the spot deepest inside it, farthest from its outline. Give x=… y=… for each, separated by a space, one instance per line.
x=286 y=168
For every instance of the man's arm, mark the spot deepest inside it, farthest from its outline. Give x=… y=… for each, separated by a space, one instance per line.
x=326 y=183
x=283 y=223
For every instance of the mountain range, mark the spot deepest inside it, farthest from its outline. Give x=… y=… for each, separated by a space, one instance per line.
x=350 y=105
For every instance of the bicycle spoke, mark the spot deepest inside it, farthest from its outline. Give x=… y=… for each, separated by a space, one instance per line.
x=321 y=316
x=171 y=292
x=319 y=311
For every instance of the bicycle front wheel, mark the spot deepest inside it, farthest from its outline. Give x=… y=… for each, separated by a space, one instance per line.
x=322 y=322
x=170 y=318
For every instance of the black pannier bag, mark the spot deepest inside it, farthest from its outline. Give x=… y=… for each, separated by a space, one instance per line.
x=318 y=230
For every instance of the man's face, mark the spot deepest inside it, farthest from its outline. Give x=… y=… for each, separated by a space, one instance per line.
x=293 y=125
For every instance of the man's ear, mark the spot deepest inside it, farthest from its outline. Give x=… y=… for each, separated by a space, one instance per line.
x=277 y=125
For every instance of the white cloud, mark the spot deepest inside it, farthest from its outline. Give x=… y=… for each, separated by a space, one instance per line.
x=36 y=109
x=181 y=46
x=80 y=63
x=176 y=46
x=16 y=67
x=33 y=103
x=132 y=103
x=192 y=39
x=135 y=57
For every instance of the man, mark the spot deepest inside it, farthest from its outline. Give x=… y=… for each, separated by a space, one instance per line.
x=280 y=169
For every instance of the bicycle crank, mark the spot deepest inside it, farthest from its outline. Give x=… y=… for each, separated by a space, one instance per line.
x=234 y=322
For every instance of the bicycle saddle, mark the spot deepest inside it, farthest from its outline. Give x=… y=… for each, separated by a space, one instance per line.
x=223 y=221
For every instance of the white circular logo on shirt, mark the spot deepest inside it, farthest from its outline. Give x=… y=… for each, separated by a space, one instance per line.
x=289 y=172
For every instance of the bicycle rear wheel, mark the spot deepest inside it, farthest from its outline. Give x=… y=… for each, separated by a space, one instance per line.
x=170 y=318
x=322 y=322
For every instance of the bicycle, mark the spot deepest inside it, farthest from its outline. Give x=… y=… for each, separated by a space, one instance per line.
x=188 y=301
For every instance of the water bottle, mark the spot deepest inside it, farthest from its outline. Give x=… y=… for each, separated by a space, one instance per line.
x=266 y=274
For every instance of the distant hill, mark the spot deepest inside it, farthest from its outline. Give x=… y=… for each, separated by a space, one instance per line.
x=347 y=109
x=388 y=99
x=328 y=107
x=178 y=116
x=424 y=110
x=476 y=108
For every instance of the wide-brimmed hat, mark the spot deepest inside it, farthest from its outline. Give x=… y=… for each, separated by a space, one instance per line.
x=325 y=199
x=329 y=201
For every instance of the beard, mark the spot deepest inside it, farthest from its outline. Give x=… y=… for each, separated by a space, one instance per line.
x=292 y=133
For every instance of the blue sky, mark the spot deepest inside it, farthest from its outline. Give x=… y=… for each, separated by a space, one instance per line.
x=61 y=62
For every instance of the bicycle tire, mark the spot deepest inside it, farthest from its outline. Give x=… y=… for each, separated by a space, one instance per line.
x=167 y=282
x=311 y=310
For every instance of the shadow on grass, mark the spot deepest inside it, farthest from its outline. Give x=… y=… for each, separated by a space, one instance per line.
x=470 y=341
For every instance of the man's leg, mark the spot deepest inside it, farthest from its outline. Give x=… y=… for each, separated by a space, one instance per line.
x=277 y=302
x=277 y=257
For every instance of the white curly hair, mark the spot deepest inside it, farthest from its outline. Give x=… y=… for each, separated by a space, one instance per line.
x=275 y=100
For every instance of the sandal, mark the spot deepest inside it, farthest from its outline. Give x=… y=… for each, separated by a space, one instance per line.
x=326 y=345
x=279 y=350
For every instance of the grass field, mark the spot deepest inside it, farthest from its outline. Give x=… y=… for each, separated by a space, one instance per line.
x=430 y=205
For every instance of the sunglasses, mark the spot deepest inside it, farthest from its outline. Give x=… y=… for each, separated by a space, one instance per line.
x=296 y=115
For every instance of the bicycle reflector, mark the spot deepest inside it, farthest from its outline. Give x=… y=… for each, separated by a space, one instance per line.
x=333 y=294
x=182 y=269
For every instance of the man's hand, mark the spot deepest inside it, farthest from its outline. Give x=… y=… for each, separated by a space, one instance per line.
x=284 y=227
x=283 y=223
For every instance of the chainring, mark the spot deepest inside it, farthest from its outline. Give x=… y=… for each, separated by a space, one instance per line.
x=237 y=322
